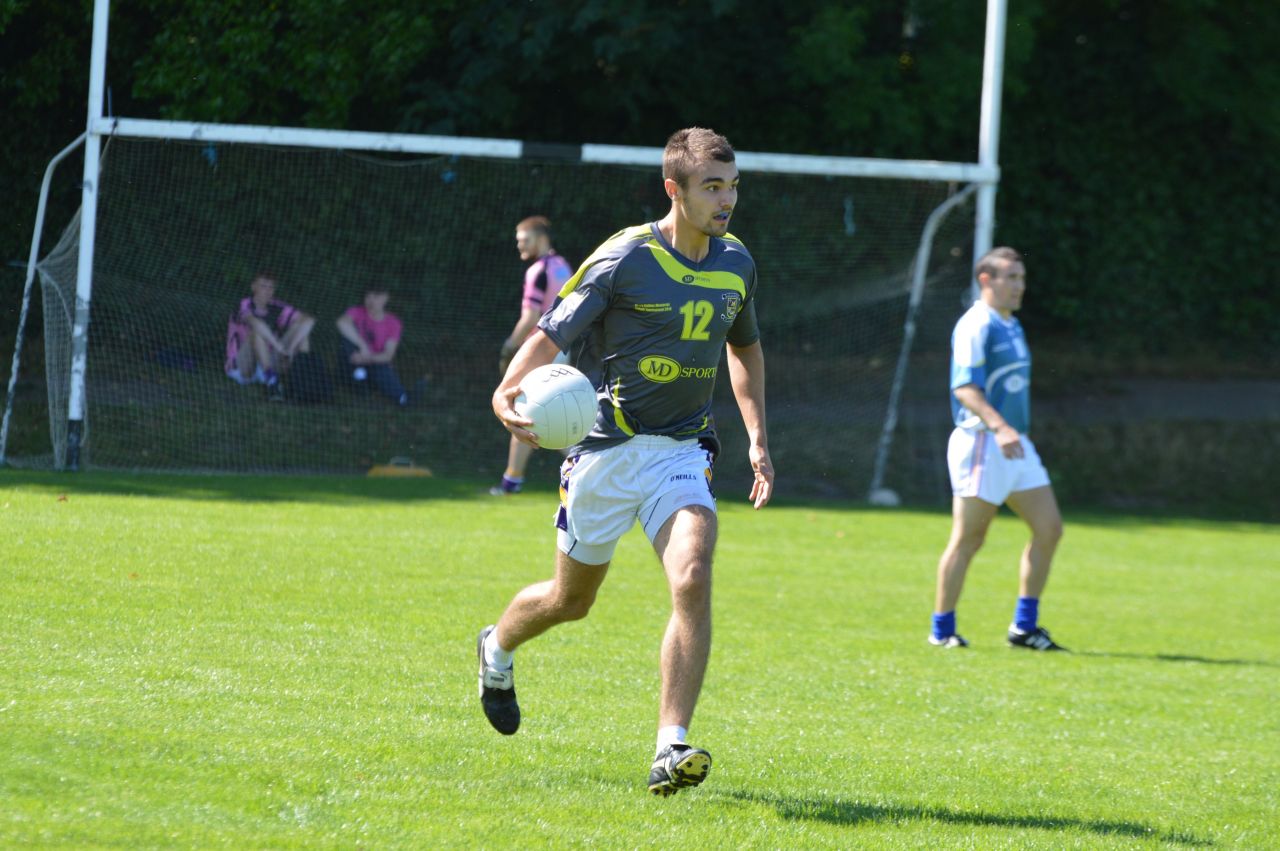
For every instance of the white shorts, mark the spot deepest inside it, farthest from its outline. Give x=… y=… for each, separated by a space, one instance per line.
x=978 y=467
x=648 y=478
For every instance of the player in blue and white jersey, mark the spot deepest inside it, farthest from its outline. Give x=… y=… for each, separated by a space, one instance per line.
x=991 y=459
x=659 y=302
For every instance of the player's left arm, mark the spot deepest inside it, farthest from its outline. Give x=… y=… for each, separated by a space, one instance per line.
x=299 y=327
x=529 y=317
x=528 y=320
x=746 y=374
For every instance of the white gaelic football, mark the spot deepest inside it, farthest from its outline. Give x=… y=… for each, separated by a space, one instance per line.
x=561 y=402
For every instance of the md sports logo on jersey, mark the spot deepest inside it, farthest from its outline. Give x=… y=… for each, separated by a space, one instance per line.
x=659 y=369
x=663 y=370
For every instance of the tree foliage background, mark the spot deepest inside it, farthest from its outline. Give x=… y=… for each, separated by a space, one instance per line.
x=1140 y=146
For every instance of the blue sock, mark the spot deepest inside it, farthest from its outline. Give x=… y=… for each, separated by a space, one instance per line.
x=1024 y=616
x=944 y=625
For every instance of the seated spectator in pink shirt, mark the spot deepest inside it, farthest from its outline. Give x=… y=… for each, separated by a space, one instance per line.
x=264 y=334
x=370 y=337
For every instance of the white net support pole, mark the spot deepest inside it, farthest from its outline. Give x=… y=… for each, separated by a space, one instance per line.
x=34 y=256
x=88 y=222
x=877 y=494
x=989 y=126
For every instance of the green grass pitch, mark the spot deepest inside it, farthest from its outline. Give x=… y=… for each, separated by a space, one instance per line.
x=284 y=663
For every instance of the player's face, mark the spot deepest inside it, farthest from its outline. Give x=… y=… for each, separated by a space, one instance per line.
x=264 y=289
x=529 y=244
x=710 y=196
x=1007 y=287
x=375 y=302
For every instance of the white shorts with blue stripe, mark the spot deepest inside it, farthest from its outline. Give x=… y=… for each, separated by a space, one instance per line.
x=648 y=478
x=978 y=467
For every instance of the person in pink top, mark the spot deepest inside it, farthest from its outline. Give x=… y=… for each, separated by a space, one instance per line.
x=370 y=337
x=547 y=273
x=264 y=334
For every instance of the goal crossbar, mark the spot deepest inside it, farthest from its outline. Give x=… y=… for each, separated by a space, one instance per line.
x=406 y=143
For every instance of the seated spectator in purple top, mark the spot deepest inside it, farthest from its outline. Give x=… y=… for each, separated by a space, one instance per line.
x=370 y=337
x=263 y=335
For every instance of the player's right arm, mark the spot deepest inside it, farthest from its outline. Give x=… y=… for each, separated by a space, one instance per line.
x=347 y=328
x=969 y=375
x=1007 y=437
x=537 y=351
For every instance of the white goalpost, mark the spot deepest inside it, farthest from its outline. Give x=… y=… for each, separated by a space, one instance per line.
x=206 y=192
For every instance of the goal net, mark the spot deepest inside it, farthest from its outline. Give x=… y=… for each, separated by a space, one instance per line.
x=183 y=227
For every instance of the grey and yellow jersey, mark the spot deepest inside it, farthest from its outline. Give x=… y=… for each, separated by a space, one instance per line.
x=657 y=324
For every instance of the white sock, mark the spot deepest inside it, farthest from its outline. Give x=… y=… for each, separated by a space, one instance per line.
x=670 y=736
x=494 y=655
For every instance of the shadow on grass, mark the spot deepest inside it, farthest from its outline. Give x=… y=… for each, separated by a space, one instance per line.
x=1180 y=657
x=833 y=811
x=248 y=488
x=1209 y=516
x=293 y=487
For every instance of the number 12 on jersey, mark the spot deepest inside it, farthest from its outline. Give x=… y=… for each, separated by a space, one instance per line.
x=697 y=316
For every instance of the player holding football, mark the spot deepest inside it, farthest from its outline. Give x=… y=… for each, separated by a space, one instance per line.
x=661 y=301
x=991 y=459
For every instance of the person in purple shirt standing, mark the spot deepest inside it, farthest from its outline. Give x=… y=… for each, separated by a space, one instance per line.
x=546 y=275
x=370 y=338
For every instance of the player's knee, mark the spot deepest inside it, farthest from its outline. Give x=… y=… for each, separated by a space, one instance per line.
x=691 y=582
x=967 y=542
x=1050 y=532
x=574 y=607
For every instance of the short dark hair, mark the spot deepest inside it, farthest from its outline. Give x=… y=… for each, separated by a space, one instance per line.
x=537 y=224
x=689 y=148
x=994 y=260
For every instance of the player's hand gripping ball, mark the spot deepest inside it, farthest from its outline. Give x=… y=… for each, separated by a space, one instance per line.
x=561 y=402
